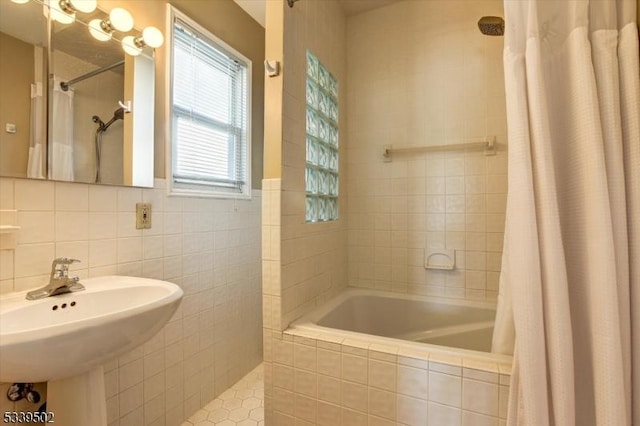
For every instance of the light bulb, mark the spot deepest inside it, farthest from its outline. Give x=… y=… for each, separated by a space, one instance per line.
x=152 y=37
x=121 y=19
x=129 y=46
x=86 y=6
x=95 y=29
x=58 y=15
x=20 y=1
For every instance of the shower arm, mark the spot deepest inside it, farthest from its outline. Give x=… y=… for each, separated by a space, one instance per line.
x=65 y=85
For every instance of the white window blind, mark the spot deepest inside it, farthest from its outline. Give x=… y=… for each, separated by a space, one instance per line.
x=209 y=113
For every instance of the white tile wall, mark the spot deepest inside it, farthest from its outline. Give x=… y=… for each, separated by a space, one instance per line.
x=303 y=264
x=440 y=81
x=313 y=256
x=360 y=383
x=211 y=248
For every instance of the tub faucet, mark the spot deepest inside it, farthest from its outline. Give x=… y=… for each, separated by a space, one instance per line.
x=59 y=282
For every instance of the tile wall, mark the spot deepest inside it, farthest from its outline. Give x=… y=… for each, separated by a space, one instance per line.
x=418 y=72
x=304 y=264
x=210 y=247
x=313 y=255
x=421 y=73
x=328 y=381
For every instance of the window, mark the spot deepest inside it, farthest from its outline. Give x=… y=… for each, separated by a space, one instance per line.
x=321 y=173
x=209 y=117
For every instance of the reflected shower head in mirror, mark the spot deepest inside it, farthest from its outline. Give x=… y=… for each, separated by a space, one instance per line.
x=102 y=126
x=118 y=114
x=491 y=25
x=97 y=120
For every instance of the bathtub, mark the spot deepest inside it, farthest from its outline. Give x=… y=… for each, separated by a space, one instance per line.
x=373 y=357
x=437 y=325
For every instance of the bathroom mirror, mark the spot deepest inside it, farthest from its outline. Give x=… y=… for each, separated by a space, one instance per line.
x=77 y=109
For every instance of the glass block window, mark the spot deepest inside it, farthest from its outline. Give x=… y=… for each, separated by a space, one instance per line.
x=321 y=174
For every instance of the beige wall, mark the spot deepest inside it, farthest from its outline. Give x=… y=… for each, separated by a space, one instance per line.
x=16 y=76
x=274 y=49
x=226 y=20
x=420 y=73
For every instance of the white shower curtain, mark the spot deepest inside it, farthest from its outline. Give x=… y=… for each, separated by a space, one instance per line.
x=571 y=265
x=61 y=128
x=35 y=165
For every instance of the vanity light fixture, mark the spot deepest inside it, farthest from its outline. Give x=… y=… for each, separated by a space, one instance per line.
x=97 y=30
x=151 y=36
x=64 y=11
x=72 y=6
x=59 y=14
x=130 y=47
x=119 y=19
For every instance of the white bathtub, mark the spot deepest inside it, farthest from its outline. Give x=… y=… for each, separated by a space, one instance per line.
x=448 y=326
x=372 y=357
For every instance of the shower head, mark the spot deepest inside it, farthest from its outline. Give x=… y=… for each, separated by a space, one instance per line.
x=491 y=25
x=117 y=115
x=97 y=120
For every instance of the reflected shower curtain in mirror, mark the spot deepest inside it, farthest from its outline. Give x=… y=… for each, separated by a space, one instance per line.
x=35 y=166
x=61 y=128
x=571 y=264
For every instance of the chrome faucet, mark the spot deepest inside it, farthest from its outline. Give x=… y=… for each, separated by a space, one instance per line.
x=59 y=282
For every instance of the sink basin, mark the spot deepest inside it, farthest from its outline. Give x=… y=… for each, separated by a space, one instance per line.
x=70 y=334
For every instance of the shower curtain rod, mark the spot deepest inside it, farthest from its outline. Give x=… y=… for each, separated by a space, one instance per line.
x=65 y=85
x=488 y=144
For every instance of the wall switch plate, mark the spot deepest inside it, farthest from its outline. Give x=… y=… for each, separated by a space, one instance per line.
x=10 y=128
x=143 y=215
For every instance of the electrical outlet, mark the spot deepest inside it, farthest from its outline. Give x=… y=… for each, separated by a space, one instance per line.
x=143 y=215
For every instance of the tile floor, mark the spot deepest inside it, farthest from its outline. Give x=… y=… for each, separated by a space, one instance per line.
x=242 y=404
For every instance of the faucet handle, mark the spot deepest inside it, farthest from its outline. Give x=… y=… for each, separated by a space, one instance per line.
x=64 y=261
x=60 y=267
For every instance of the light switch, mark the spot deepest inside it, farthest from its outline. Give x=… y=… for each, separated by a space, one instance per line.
x=143 y=215
x=10 y=128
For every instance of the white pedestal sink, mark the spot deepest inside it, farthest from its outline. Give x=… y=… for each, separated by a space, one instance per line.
x=65 y=339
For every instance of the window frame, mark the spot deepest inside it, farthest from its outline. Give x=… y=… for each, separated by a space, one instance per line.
x=201 y=189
